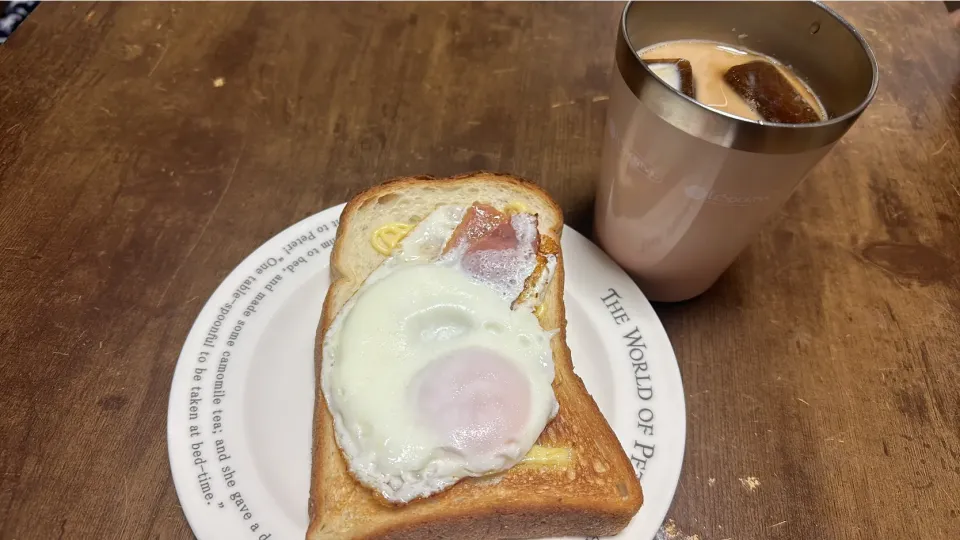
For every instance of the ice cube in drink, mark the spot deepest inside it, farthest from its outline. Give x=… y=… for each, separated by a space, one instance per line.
x=677 y=72
x=769 y=93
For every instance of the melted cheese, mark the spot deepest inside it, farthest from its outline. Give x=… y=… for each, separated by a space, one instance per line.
x=388 y=236
x=542 y=456
x=515 y=207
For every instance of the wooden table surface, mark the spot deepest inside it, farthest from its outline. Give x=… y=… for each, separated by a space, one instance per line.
x=145 y=149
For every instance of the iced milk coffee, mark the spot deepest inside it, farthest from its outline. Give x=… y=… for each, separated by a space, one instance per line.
x=689 y=174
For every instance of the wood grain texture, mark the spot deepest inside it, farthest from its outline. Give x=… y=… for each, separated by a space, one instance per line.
x=145 y=149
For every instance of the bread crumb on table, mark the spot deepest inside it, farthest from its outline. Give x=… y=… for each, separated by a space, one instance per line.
x=750 y=482
x=670 y=531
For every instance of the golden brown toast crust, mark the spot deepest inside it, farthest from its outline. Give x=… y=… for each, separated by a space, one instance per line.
x=596 y=496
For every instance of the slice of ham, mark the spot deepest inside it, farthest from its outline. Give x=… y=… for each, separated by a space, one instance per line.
x=496 y=248
x=503 y=237
x=478 y=221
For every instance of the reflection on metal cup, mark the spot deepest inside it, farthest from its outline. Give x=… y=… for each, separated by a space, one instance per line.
x=685 y=187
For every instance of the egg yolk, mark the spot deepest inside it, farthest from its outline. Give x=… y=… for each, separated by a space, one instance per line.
x=474 y=399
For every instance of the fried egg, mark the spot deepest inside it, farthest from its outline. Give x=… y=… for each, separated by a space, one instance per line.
x=430 y=371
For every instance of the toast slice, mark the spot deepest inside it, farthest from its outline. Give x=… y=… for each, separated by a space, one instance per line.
x=594 y=493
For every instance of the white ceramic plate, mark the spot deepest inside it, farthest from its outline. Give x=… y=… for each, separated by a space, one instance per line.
x=241 y=404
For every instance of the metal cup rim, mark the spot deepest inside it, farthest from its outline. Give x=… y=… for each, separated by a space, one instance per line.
x=847 y=117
